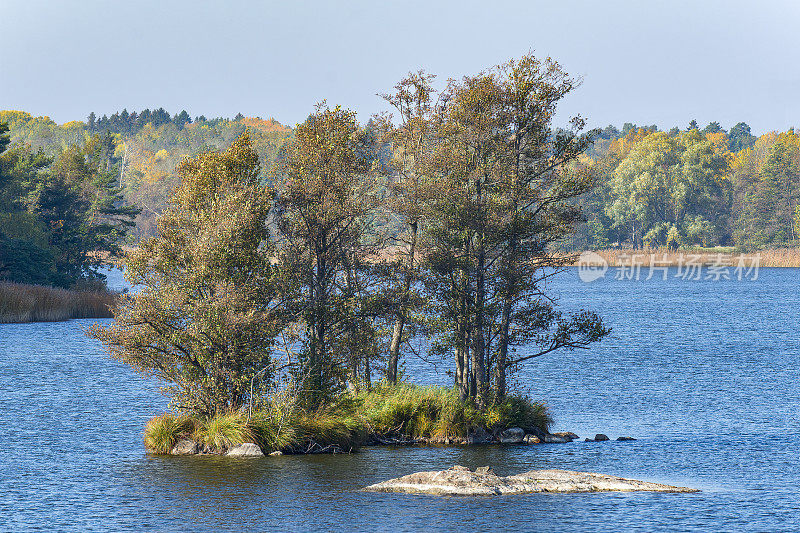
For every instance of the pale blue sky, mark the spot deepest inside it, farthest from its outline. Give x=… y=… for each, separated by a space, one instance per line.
x=662 y=62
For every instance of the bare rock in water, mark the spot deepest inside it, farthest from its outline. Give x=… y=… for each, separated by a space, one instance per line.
x=460 y=481
x=566 y=434
x=556 y=439
x=600 y=437
x=185 y=447
x=512 y=436
x=531 y=439
x=625 y=438
x=246 y=449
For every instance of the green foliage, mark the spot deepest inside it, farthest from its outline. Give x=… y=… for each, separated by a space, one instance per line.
x=517 y=411
x=60 y=216
x=276 y=430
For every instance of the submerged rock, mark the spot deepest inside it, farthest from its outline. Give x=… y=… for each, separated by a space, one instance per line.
x=460 y=481
x=185 y=447
x=625 y=438
x=556 y=439
x=246 y=449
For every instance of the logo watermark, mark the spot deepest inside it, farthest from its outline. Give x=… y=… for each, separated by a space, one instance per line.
x=688 y=267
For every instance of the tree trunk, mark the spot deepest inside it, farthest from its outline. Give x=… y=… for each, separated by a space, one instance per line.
x=479 y=343
x=318 y=352
x=502 y=356
x=400 y=320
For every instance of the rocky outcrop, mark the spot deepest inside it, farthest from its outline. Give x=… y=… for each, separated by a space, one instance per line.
x=246 y=449
x=512 y=436
x=460 y=481
x=185 y=447
x=600 y=437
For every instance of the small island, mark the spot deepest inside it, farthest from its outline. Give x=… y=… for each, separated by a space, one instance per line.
x=461 y=481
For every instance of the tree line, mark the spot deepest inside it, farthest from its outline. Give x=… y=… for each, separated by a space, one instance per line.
x=478 y=186
x=692 y=187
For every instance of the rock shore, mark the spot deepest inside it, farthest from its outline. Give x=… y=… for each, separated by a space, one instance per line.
x=461 y=481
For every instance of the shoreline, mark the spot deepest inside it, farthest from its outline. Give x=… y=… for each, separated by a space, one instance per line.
x=691 y=257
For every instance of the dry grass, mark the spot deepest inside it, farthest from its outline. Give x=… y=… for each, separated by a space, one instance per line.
x=37 y=303
x=780 y=257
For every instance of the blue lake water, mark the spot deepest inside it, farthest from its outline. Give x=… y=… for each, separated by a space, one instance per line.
x=704 y=374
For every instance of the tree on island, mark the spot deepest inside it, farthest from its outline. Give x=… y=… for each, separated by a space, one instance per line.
x=211 y=303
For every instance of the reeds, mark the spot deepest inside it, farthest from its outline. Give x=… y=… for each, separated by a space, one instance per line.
x=21 y=302
x=777 y=257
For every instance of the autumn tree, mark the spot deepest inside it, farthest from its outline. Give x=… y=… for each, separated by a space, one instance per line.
x=410 y=141
x=500 y=200
x=211 y=302
x=324 y=207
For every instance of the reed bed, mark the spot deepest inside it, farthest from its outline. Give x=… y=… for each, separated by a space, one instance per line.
x=779 y=257
x=21 y=303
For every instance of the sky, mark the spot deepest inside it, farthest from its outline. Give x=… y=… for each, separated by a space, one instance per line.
x=646 y=62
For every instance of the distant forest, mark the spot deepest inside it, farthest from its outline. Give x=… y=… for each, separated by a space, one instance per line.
x=685 y=187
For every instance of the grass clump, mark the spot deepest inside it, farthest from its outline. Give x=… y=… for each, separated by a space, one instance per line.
x=518 y=411
x=332 y=427
x=404 y=411
x=439 y=413
x=162 y=432
x=223 y=431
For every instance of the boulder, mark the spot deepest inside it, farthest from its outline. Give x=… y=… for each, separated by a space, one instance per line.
x=185 y=447
x=276 y=453
x=512 y=436
x=625 y=438
x=556 y=439
x=536 y=432
x=566 y=434
x=531 y=439
x=460 y=481
x=600 y=437
x=485 y=470
x=246 y=449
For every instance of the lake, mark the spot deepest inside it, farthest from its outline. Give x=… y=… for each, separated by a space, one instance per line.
x=703 y=373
